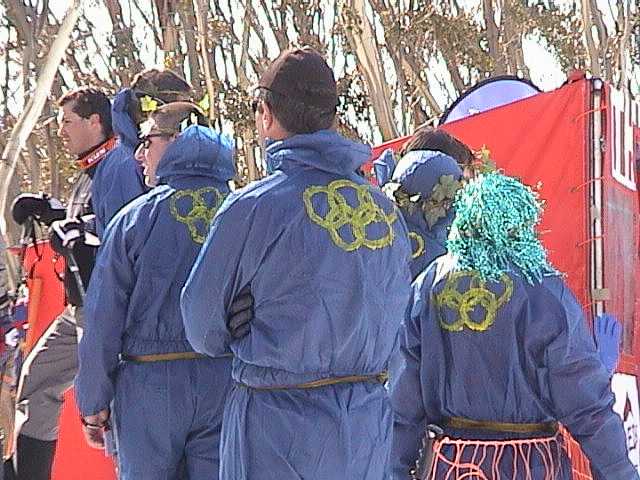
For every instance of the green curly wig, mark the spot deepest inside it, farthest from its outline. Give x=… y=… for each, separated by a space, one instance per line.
x=494 y=229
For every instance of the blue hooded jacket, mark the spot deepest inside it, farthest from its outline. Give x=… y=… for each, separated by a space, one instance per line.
x=529 y=360
x=118 y=178
x=132 y=304
x=304 y=282
x=326 y=257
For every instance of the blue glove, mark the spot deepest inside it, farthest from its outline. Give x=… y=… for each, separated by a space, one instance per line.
x=607 y=332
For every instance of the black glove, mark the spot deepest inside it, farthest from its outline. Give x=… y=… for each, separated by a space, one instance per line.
x=36 y=205
x=64 y=234
x=240 y=314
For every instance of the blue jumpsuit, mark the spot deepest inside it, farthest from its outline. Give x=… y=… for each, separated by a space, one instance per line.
x=118 y=178
x=326 y=257
x=524 y=356
x=168 y=414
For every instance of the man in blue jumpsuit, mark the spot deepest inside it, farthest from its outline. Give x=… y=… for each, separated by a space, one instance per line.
x=110 y=179
x=167 y=399
x=118 y=180
x=496 y=351
x=325 y=256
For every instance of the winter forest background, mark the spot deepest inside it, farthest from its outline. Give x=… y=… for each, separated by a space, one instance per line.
x=399 y=63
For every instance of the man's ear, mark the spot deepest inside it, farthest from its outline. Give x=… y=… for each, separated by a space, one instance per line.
x=95 y=120
x=266 y=117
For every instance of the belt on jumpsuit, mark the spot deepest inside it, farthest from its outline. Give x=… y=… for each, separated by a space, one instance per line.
x=166 y=357
x=465 y=423
x=381 y=377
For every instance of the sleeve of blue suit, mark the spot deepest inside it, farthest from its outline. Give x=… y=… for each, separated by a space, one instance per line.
x=581 y=394
x=116 y=185
x=226 y=264
x=105 y=312
x=409 y=413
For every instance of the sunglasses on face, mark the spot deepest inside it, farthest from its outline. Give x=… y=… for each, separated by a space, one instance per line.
x=255 y=103
x=145 y=142
x=258 y=98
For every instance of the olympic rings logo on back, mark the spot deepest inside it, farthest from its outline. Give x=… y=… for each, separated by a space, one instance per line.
x=340 y=214
x=201 y=212
x=464 y=303
x=420 y=248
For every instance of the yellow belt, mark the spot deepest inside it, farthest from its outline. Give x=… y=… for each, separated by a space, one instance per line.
x=457 y=422
x=381 y=377
x=165 y=357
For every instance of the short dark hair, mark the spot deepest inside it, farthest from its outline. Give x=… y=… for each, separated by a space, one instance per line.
x=167 y=118
x=165 y=85
x=88 y=101
x=428 y=138
x=296 y=117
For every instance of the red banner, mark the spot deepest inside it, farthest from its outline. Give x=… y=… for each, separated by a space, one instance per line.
x=543 y=140
x=620 y=118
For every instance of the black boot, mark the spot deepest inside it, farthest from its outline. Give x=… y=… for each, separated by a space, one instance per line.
x=35 y=458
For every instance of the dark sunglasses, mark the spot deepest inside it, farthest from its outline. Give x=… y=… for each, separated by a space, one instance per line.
x=255 y=103
x=145 y=142
x=258 y=98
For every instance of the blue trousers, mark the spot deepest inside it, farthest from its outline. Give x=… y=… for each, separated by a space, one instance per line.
x=328 y=433
x=168 y=418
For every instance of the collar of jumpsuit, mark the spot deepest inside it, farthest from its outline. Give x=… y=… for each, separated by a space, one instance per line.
x=325 y=150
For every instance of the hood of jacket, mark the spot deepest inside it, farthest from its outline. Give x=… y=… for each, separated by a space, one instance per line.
x=123 y=125
x=198 y=151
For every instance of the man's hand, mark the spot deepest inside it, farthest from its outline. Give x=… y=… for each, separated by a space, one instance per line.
x=240 y=314
x=64 y=233
x=94 y=426
x=36 y=205
x=607 y=333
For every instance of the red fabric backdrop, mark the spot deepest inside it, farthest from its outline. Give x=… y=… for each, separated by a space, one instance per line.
x=621 y=220
x=543 y=139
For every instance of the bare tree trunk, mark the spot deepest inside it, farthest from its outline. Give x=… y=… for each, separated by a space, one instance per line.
x=361 y=37
x=592 y=49
x=54 y=166
x=166 y=10
x=201 y=19
x=248 y=134
x=29 y=117
x=188 y=20
x=35 y=169
x=124 y=51
x=621 y=45
x=493 y=37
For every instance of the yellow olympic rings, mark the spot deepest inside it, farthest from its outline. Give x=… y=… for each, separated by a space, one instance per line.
x=199 y=217
x=341 y=214
x=419 y=250
x=477 y=295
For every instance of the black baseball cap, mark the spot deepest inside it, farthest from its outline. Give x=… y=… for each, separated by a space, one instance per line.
x=302 y=75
